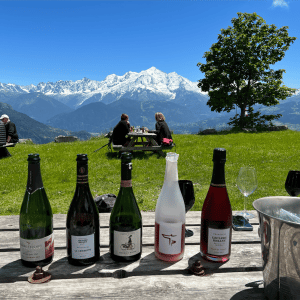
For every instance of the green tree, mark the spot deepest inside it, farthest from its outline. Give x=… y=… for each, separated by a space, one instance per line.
x=237 y=69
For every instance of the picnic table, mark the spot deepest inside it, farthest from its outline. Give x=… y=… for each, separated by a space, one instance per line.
x=142 y=141
x=147 y=278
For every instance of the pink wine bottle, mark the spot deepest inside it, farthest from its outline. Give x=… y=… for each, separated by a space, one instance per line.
x=216 y=218
x=170 y=215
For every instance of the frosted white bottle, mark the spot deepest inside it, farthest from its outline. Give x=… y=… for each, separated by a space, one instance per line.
x=170 y=215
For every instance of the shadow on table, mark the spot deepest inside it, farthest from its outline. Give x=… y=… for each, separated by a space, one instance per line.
x=15 y=271
x=254 y=293
x=211 y=268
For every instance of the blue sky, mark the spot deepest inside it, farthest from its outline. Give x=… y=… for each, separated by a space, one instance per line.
x=45 y=41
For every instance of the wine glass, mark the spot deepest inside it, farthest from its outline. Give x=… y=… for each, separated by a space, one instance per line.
x=247 y=184
x=292 y=183
x=187 y=191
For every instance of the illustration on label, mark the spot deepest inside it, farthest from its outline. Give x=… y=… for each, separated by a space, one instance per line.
x=170 y=238
x=127 y=243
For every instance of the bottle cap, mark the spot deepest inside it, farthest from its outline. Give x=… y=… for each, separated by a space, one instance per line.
x=126 y=156
x=34 y=157
x=219 y=155
x=82 y=157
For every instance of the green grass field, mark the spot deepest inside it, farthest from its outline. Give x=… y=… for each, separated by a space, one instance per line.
x=273 y=154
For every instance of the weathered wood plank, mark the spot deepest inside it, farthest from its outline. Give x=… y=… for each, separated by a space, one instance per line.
x=59 y=220
x=10 y=239
x=242 y=258
x=179 y=286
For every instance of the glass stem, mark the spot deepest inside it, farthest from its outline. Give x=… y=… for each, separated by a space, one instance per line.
x=245 y=206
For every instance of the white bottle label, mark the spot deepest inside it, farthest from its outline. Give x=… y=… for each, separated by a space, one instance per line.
x=83 y=246
x=218 y=241
x=38 y=249
x=127 y=243
x=170 y=238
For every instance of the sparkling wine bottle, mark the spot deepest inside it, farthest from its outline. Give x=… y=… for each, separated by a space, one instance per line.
x=216 y=218
x=125 y=225
x=36 y=219
x=83 y=220
x=170 y=215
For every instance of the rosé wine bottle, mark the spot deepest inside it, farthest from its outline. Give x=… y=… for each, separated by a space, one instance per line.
x=216 y=217
x=170 y=215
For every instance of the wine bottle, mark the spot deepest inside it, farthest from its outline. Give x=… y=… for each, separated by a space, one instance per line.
x=82 y=226
x=125 y=224
x=36 y=219
x=216 y=218
x=170 y=215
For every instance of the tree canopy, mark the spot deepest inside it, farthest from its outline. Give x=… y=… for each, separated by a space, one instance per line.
x=237 y=69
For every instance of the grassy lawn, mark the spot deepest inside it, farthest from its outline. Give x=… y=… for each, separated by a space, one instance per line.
x=273 y=154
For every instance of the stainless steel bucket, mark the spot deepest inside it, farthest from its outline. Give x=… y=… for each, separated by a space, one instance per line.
x=280 y=245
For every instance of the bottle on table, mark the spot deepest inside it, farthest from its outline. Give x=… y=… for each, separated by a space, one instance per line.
x=216 y=217
x=36 y=219
x=83 y=245
x=170 y=215
x=125 y=226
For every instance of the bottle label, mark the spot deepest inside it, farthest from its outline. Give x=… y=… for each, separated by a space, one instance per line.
x=83 y=246
x=218 y=241
x=82 y=175
x=170 y=238
x=126 y=183
x=218 y=184
x=127 y=243
x=38 y=249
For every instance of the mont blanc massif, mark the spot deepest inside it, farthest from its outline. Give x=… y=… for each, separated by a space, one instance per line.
x=87 y=107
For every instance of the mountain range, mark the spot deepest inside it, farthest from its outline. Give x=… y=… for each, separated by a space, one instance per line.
x=95 y=106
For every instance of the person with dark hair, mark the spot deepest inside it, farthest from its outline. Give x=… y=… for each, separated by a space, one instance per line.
x=121 y=130
x=11 y=131
x=161 y=128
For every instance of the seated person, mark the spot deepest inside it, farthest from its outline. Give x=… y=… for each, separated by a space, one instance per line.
x=161 y=128
x=121 y=130
x=11 y=131
x=2 y=134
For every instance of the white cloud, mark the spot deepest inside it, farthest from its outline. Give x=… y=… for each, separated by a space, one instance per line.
x=281 y=3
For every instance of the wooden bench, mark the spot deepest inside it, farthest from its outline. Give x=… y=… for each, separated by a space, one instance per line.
x=8 y=145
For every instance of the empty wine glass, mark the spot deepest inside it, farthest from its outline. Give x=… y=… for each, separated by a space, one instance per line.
x=187 y=191
x=247 y=184
x=292 y=183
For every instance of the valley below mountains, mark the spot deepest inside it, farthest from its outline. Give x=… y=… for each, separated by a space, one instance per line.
x=88 y=107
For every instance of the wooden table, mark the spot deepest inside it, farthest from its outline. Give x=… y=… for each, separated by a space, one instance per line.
x=148 y=278
x=141 y=141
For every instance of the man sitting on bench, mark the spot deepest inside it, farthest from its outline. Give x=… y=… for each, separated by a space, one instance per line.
x=11 y=131
x=8 y=134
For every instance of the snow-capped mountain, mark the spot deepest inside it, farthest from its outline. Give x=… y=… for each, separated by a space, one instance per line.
x=151 y=84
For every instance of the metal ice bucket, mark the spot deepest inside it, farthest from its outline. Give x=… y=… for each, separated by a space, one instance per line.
x=280 y=245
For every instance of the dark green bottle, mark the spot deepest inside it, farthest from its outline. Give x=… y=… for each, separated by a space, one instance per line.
x=36 y=219
x=125 y=225
x=83 y=233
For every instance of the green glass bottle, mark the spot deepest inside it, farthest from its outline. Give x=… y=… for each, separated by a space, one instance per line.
x=83 y=233
x=125 y=220
x=36 y=219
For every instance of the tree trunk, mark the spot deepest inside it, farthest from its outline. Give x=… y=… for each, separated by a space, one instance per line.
x=242 y=116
